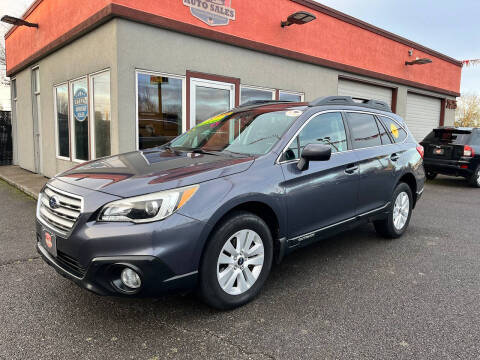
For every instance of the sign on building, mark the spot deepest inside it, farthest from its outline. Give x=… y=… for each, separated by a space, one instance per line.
x=212 y=12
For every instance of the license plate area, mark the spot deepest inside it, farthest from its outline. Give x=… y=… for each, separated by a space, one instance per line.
x=49 y=242
x=439 y=151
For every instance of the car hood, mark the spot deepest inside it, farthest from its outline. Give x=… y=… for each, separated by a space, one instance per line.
x=143 y=172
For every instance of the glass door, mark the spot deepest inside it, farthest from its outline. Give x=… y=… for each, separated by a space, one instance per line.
x=209 y=98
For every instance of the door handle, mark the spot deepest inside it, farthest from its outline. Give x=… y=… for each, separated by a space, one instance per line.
x=394 y=157
x=351 y=169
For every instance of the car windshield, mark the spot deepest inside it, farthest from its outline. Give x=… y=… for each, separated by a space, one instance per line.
x=252 y=132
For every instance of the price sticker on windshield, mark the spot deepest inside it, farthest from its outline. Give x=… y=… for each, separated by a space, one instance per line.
x=394 y=131
x=293 y=113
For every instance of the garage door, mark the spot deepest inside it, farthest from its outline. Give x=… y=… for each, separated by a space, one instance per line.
x=364 y=91
x=423 y=114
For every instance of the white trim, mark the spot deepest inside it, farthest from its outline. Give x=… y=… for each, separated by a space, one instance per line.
x=55 y=116
x=36 y=100
x=301 y=94
x=91 y=111
x=194 y=82
x=184 y=99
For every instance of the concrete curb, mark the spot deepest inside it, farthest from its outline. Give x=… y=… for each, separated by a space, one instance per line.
x=20 y=187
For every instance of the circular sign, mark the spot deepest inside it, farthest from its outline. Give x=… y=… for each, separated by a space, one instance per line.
x=394 y=131
x=80 y=104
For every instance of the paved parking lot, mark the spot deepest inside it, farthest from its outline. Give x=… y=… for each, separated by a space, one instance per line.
x=352 y=296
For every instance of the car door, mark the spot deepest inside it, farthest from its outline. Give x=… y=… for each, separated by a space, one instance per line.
x=376 y=155
x=325 y=193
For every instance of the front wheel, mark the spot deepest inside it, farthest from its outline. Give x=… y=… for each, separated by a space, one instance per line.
x=236 y=261
x=475 y=178
x=399 y=216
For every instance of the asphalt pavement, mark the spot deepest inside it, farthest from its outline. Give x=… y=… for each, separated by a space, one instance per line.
x=351 y=296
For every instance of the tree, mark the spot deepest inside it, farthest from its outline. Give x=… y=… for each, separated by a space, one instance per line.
x=3 y=64
x=468 y=110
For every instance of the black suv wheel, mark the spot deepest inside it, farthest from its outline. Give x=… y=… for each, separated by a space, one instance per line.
x=474 y=180
x=236 y=262
x=398 y=219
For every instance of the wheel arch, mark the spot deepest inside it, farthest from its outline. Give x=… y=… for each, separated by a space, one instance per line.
x=411 y=181
x=268 y=211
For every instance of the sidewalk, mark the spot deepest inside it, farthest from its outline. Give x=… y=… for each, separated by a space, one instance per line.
x=26 y=181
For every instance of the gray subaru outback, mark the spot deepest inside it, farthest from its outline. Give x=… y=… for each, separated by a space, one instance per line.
x=215 y=207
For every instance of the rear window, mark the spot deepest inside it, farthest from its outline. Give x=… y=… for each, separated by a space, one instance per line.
x=447 y=136
x=398 y=133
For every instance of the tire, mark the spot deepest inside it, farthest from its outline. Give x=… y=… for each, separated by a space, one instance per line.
x=474 y=180
x=222 y=262
x=431 y=175
x=389 y=228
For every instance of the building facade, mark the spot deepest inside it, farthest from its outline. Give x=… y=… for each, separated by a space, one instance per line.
x=112 y=76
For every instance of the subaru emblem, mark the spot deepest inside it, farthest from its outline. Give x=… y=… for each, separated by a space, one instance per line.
x=54 y=202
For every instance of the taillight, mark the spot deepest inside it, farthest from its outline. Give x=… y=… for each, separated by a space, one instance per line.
x=468 y=151
x=421 y=150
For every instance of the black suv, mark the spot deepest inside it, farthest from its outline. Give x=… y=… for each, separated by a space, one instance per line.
x=215 y=207
x=453 y=151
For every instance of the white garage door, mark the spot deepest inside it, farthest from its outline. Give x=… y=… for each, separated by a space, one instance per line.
x=364 y=91
x=423 y=114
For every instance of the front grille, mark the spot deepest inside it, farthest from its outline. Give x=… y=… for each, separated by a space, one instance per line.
x=70 y=264
x=62 y=217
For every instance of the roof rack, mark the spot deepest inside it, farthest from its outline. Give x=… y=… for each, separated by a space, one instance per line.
x=348 y=101
x=260 y=102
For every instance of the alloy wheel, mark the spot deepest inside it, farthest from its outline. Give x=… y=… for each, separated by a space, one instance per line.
x=240 y=262
x=401 y=210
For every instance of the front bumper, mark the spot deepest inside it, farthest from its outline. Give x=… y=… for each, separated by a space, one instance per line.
x=102 y=275
x=449 y=167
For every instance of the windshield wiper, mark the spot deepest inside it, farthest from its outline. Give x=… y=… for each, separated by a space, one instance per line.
x=201 y=151
x=264 y=138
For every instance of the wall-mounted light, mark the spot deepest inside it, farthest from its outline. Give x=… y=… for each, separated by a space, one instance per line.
x=299 y=18
x=17 y=22
x=418 y=62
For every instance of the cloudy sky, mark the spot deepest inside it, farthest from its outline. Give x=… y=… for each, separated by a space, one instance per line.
x=453 y=28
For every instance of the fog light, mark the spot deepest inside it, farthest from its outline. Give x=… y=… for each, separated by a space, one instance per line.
x=131 y=279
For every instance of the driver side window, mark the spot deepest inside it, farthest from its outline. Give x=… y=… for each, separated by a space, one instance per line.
x=326 y=129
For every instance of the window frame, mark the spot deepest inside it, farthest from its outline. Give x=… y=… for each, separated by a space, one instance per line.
x=73 y=149
x=252 y=87
x=57 y=145
x=183 y=78
x=91 y=113
x=289 y=92
x=279 y=160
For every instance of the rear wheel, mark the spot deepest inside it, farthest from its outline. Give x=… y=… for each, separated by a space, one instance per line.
x=431 y=175
x=398 y=218
x=236 y=262
x=474 y=180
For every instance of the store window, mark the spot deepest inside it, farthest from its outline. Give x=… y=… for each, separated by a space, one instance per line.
x=61 y=114
x=290 y=96
x=79 y=105
x=160 y=108
x=100 y=89
x=252 y=94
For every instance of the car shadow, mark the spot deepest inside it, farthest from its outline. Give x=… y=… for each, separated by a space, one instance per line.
x=449 y=181
x=312 y=260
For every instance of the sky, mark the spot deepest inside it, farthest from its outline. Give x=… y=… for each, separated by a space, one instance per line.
x=452 y=28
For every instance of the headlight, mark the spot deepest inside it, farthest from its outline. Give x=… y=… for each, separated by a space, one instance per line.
x=147 y=208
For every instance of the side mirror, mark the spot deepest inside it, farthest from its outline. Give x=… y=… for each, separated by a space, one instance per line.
x=314 y=152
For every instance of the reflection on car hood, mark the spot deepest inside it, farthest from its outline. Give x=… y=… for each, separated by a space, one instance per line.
x=143 y=172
